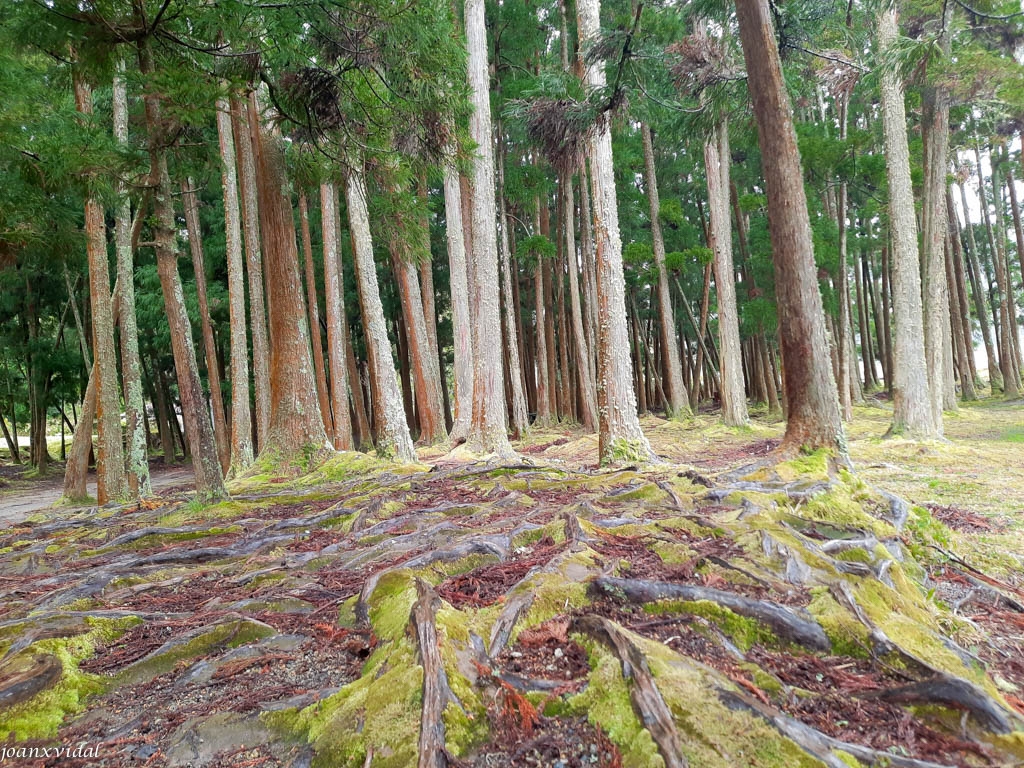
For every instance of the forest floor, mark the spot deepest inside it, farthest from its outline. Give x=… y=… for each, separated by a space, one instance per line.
x=542 y=614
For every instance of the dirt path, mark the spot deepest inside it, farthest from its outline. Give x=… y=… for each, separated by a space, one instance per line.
x=20 y=504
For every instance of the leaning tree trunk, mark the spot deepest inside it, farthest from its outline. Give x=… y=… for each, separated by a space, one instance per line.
x=520 y=413
x=314 y=314
x=393 y=439
x=205 y=464
x=459 y=282
x=254 y=269
x=137 y=459
x=296 y=426
x=110 y=480
x=675 y=391
x=488 y=431
x=971 y=257
x=241 y=415
x=912 y=411
x=195 y=244
x=813 y=407
x=76 y=468
x=334 y=303
x=716 y=164
x=620 y=438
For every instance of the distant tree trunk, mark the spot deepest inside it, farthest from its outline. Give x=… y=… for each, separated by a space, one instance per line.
x=716 y=163
x=520 y=414
x=422 y=356
x=813 y=407
x=971 y=256
x=254 y=269
x=960 y=308
x=393 y=439
x=76 y=469
x=241 y=415
x=296 y=425
x=1004 y=291
x=459 y=282
x=544 y=409
x=195 y=243
x=488 y=429
x=845 y=334
x=913 y=414
x=334 y=303
x=620 y=438
x=587 y=390
x=427 y=270
x=202 y=444
x=110 y=480
x=588 y=258
x=137 y=460
x=313 y=308
x=362 y=432
x=674 y=389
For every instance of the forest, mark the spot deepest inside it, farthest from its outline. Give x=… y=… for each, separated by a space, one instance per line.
x=512 y=383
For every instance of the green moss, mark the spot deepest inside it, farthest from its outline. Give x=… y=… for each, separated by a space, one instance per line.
x=40 y=716
x=847 y=758
x=623 y=451
x=606 y=703
x=809 y=465
x=849 y=637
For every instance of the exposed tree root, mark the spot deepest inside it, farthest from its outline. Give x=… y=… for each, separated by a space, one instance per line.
x=436 y=693
x=647 y=701
x=783 y=621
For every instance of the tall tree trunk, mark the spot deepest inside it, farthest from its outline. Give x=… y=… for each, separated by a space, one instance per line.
x=202 y=444
x=110 y=480
x=845 y=335
x=427 y=271
x=241 y=415
x=544 y=394
x=587 y=391
x=813 y=407
x=1007 y=311
x=716 y=164
x=195 y=243
x=296 y=426
x=76 y=468
x=588 y=258
x=136 y=460
x=393 y=439
x=488 y=429
x=313 y=307
x=459 y=282
x=913 y=414
x=935 y=126
x=254 y=269
x=620 y=438
x=363 y=431
x=334 y=304
x=674 y=389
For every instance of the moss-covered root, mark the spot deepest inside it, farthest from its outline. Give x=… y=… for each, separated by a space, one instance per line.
x=436 y=693
x=647 y=701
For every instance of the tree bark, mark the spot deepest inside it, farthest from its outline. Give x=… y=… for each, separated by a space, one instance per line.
x=254 y=269
x=136 y=460
x=620 y=438
x=202 y=444
x=241 y=414
x=393 y=439
x=313 y=308
x=110 y=480
x=334 y=304
x=488 y=429
x=716 y=163
x=813 y=407
x=913 y=413
x=296 y=426
x=195 y=244
x=519 y=412
x=585 y=383
x=678 y=405
x=459 y=287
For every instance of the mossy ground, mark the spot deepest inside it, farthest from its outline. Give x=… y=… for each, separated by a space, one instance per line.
x=307 y=542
